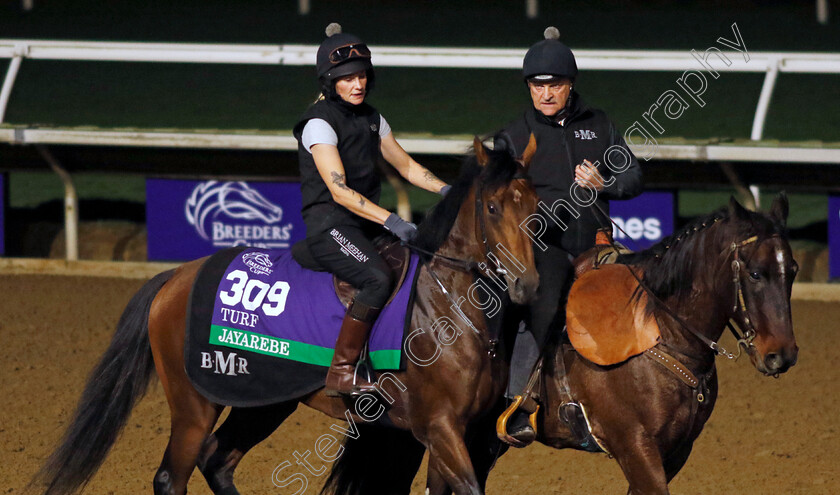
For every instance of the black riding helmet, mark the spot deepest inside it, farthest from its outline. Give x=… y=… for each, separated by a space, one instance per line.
x=549 y=59
x=339 y=55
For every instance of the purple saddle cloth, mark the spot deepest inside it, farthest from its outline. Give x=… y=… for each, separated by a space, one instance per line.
x=261 y=329
x=268 y=304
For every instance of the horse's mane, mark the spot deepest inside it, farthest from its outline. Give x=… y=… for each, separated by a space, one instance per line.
x=434 y=229
x=669 y=265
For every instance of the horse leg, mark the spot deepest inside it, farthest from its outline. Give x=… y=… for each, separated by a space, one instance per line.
x=193 y=416
x=485 y=448
x=435 y=484
x=243 y=429
x=450 y=459
x=190 y=427
x=676 y=460
x=642 y=465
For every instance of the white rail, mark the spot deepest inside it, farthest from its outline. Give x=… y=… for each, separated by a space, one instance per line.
x=770 y=63
x=737 y=151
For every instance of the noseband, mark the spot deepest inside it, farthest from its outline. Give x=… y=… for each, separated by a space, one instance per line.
x=745 y=340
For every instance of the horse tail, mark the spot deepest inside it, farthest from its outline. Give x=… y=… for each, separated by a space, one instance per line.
x=115 y=385
x=380 y=461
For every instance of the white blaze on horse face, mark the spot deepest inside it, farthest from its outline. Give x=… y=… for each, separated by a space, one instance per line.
x=780 y=258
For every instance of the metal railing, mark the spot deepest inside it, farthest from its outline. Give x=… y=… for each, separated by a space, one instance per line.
x=769 y=63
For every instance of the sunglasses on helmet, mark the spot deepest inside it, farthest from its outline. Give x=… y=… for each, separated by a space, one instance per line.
x=346 y=52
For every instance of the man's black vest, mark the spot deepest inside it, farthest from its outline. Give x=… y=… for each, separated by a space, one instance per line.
x=357 y=128
x=586 y=134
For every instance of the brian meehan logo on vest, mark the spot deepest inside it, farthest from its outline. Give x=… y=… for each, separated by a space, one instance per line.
x=235 y=214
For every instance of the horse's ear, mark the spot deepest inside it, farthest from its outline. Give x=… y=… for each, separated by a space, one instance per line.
x=481 y=154
x=780 y=208
x=736 y=210
x=528 y=154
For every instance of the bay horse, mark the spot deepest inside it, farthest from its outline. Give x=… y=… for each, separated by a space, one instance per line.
x=439 y=396
x=731 y=265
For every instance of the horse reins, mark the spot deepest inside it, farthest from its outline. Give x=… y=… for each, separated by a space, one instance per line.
x=467 y=265
x=744 y=340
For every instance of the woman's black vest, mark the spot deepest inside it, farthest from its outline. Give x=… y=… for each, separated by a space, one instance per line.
x=357 y=127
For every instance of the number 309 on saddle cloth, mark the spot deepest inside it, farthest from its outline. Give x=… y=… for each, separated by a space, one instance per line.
x=261 y=328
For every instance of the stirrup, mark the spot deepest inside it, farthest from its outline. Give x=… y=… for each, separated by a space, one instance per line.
x=574 y=416
x=501 y=423
x=356 y=391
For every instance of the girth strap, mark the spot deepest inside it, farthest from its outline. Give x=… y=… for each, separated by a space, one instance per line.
x=673 y=365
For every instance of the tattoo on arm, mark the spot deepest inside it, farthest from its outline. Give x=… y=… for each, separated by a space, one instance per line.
x=430 y=177
x=338 y=179
x=361 y=201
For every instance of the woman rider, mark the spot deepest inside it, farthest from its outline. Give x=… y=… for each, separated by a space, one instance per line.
x=340 y=139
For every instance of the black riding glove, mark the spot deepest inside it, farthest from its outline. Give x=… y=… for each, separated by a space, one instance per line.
x=400 y=228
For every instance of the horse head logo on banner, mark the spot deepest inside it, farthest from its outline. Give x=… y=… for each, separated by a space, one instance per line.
x=234 y=213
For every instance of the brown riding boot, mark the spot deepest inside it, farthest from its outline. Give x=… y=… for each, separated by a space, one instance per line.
x=342 y=379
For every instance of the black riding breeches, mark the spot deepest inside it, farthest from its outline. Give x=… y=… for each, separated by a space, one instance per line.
x=546 y=314
x=346 y=252
x=547 y=311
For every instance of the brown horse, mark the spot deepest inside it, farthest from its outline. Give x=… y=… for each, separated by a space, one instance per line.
x=642 y=414
x=442 y=391
x=733 y=265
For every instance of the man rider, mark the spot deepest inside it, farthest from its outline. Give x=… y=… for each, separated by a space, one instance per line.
x=581 y=162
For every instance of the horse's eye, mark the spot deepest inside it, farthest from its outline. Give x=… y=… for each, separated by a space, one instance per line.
x=491 y=208
x=755 y=275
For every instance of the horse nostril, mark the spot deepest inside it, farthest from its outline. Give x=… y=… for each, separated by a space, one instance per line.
x=773 y=362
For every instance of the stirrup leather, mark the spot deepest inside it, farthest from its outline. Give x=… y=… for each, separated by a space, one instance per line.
x=501 y=422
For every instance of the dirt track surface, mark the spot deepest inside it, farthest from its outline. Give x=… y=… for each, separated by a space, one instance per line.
x=765 y=436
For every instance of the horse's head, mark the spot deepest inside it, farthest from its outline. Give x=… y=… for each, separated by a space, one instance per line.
x=762 y=270
x=506 y=202
x=479 y=219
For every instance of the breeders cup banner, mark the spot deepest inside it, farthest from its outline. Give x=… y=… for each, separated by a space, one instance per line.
x=190 y=219
x=834 y=236
x=647 y=219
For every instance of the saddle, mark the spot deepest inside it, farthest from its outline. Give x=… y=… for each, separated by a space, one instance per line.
x=604 y=252
x=606 y=318
x=391 y=250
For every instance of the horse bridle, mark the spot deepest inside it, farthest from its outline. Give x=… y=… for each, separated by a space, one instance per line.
x=468 y=265
x=489 y=256
x=744 y=340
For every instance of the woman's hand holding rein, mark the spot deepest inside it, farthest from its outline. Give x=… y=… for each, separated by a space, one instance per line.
x=400 y=228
